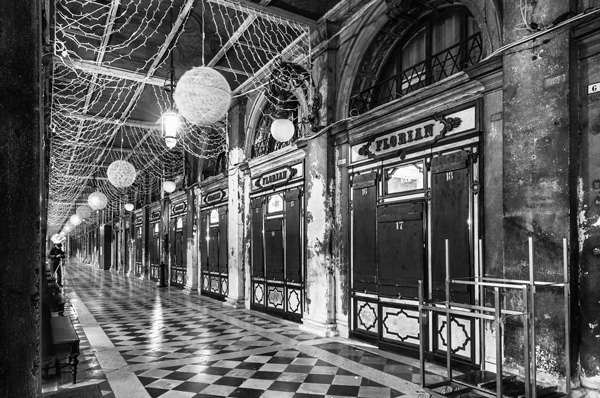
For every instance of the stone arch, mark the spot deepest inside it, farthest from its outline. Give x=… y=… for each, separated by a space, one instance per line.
x=375 y=36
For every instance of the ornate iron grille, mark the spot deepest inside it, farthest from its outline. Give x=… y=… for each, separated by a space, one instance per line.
x=439 y=66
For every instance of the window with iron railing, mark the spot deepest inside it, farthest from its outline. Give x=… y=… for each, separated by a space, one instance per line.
x=438 y=49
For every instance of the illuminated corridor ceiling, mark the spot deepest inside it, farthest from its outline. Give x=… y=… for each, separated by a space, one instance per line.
x=110 y=68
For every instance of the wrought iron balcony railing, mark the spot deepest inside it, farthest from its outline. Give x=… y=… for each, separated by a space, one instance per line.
x=437 y=67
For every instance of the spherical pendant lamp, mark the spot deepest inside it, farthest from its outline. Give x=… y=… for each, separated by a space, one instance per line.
x=84 y=211
x=75 y=219
x=169 y=186
x=202 y=95
x=282 y=129
x=97 y=200
x=129 y=206
x=121 y=173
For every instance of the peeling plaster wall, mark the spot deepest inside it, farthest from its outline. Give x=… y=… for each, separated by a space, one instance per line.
x=536 y=185
x=320 y=293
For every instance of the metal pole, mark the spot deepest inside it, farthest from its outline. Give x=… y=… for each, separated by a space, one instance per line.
x=481 y=300
x=448 y=333
x=421 y=336
x=532 y=312
x=567 y=319
x=526 y=348
x=498 y=315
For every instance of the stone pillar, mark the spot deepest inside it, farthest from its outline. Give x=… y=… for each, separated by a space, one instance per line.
x=22 y=203
x=588 y=212
x=191 y=282
x=319 y=313
x=536 y=184
x=341 y=234
x=238 y=223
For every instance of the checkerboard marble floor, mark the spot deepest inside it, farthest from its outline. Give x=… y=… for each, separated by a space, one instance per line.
x=142 y=341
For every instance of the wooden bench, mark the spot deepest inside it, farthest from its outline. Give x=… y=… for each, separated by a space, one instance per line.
x=66 y=343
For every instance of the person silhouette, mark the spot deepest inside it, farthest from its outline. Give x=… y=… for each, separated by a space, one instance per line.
x=56 y=254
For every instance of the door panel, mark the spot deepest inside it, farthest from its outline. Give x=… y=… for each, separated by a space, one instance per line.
x=450 y=220
x=293 y=238
x=257 y=238
x=213 y=249
x=223 y=239
x=364 y=203
x=274 y=249
x=400 y=249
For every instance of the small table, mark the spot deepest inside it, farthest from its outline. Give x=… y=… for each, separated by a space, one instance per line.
x=64 y=334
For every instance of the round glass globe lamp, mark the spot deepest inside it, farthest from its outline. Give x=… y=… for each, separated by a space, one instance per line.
x=97 y=200
x=121 y=173
x=84 y=211
x=169 y=186
x=129 y=206
x=202 y=95
x=282 y=130
x=75 y=219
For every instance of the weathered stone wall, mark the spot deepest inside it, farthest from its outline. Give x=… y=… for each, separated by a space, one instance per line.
x=536 y=185
x=587 y=41
x=21 y=172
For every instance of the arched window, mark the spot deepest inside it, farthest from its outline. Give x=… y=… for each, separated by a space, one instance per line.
x=435 y=49
x=264 y=143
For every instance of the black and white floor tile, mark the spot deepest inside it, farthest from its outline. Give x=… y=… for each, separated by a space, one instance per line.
x=138 y=340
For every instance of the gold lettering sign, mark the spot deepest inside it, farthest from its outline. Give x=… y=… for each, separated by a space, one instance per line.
x=420 y=133
x=275 y=177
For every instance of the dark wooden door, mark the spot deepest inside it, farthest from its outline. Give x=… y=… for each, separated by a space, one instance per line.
x=400 y=249
x=450 y=219
x=364 y=222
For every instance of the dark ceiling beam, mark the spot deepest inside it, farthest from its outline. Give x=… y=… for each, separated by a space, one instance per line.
x=128 y=123
x=92 y=68
x=271 y=13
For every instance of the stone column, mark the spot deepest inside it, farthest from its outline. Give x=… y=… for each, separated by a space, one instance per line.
x=588 y=212
x=22 y=203
x=536 y=185
x=319 y=313
x=145 y=243
x=238 y=224
x=191 y=283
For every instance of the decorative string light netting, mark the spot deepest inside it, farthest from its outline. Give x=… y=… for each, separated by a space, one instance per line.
x=110 y=66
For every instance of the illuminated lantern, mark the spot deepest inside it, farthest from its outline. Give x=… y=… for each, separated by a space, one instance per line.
x=202 y=95
x=84 y=211
x=97 y=200
x=75 y=219
x=282 y=129
x=169 y=186
x=121 y=173
x=129 y=206
x=170 y=123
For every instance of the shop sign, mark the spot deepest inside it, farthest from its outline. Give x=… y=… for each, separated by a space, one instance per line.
x=139 y=220
x=155 y=215
x=430 y=130
x=178 y=208
x=276 y=177
x=214 y=196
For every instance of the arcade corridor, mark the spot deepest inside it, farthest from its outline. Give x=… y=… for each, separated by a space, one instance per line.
x=138 y=340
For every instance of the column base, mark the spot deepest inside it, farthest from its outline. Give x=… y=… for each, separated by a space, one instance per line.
x=191 y=290
x=342 y=327
x=234 y=303
x=321 y=329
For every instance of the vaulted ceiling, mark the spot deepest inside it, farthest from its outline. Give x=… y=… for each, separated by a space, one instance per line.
x=110 y=79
